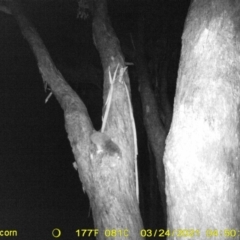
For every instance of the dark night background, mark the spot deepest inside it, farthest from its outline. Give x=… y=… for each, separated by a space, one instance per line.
x=39 y=188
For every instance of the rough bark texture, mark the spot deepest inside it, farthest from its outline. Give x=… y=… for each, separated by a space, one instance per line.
x=202 y=149
x=117 y=208
x=163 y=96
x=77 y=122
x=155 y=130
x=108 y=180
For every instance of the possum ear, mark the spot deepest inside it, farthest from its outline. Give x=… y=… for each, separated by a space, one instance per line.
x=99 y=138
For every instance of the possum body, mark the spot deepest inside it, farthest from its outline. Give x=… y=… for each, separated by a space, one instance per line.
x=105 y=144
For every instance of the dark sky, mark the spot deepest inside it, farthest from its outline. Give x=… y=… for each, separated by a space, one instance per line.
x=39 y=188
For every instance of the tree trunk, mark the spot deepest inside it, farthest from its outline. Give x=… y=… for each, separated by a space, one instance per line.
x=117 y=208
x=203 y=149
x=105 y=160
x=156 y=132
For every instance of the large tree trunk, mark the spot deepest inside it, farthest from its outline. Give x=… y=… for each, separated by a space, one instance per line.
x=203 y=148
x=105 y=160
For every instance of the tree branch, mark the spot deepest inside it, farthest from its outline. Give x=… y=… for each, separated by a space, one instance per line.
x=77 y=122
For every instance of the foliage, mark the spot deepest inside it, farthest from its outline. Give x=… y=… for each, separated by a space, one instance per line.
x=83 y=9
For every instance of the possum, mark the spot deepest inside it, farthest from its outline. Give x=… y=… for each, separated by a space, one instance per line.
x=105 y=144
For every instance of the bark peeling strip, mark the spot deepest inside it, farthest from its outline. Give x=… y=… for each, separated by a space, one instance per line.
x=108 y=104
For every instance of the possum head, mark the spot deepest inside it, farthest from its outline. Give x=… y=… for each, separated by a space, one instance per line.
x=105 y=144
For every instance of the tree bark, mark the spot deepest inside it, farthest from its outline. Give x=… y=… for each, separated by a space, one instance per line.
x=202 y=149
x=122 y=195
x=155 y=130
x=105 y=160
x=77 y=121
